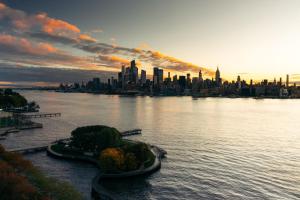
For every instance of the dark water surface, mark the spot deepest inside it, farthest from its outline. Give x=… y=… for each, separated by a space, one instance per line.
x=218 y=148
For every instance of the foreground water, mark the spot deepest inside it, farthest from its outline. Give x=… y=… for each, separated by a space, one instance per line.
x=217 y=148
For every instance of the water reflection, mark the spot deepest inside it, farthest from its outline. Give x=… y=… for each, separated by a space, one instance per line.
x=217 y=148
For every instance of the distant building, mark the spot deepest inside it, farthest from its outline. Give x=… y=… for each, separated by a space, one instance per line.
x=200 y=78
x=143 y=76
x=175 y=79
x=160 y=76
x=182 y=82
x=96 y=83
x=155 y=76
x=188 y=80
x=133 y=76
x=218 y=77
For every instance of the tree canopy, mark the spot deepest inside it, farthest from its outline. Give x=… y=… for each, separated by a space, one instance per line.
x=8 y=98
x=95 y=138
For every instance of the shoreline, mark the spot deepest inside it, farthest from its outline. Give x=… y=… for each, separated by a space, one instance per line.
x=97 y=190
x=148 y=95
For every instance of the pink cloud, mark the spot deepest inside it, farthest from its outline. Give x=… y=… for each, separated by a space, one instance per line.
x=51 y=25
x=42 y=22
x=25 y=46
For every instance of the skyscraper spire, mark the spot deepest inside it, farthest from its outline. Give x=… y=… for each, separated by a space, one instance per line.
x=218 y=77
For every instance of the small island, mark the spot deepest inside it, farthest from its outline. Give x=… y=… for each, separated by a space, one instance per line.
x=115 y=156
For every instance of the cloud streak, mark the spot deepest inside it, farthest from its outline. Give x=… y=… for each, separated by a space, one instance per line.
x=48 y=30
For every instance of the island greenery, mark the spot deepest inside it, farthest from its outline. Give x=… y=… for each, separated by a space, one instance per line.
x=106 y=146
x=20 y=180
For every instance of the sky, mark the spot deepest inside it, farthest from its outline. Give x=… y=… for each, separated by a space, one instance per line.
x=252 y=38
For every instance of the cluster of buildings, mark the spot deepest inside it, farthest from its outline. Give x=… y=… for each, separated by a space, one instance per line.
x=129 y=81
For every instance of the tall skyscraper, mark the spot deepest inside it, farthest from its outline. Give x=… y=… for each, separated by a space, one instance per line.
x=182 y=82
x=123 y=76
x=134 y=76
x=155 y=76
x=239 y=84
x=160 y=76
x=143 y=76
x=200 y=78
x=280 y=81
x=218 y=77
x=96 y=83
x=287 y=80
x=175 y=79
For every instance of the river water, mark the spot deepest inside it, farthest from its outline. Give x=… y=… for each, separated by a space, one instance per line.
x=218 y=148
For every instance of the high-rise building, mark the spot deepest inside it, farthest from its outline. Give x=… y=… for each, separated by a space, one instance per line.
x=134 y=76
x=200 y=78
x=155 y=76
x=218 y=77
x=123 y=77
x=96 y=83
x=160 y=76
x=120 y=77
x=182 y=82
x=188 y=79
x=175 y=79
x=280 y=81
x=143 y=76
x=287 y=80
x=238 y=81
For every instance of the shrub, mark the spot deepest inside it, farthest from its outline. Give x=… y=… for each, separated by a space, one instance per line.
x=112 y=159
x=19 y=179
x=95 y=138
x=131 y=162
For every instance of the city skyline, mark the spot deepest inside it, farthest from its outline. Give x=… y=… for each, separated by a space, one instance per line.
x=131 y=81
x=248 y=39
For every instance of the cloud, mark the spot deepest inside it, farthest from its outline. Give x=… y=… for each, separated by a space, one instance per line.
x=21 y=50
x=51 y=25
x=98 y=30
x=52 y=38
x=22 y=45
x=20 y=73
x=87 y=38
x=48 y=30
x=41 y=22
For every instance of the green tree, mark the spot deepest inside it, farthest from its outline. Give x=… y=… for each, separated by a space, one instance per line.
x=95 y=138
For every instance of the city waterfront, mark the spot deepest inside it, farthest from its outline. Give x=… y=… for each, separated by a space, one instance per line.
x=218 y=148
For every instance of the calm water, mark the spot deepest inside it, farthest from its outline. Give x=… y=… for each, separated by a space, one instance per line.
x=217 y=148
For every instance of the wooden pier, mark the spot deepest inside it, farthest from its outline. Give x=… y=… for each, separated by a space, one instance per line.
x=40 y=115
x=131 y=132
x=29 y=150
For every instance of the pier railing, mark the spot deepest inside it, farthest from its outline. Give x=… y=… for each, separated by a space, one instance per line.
x=131 y=132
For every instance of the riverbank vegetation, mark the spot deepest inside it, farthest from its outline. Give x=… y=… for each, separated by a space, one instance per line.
x=11 y=100
x=105 y=144
x=20 y=180
x=8 y=98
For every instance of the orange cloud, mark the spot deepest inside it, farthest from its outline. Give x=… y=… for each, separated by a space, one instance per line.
x=2 y=6
x=51 y=29
x=25 y=46
x=113 y=60
x=42 y=22
x=51 y=25
x=87 y=38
